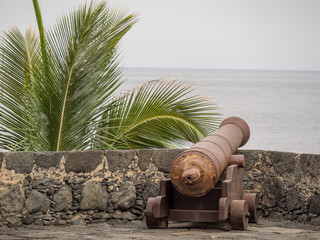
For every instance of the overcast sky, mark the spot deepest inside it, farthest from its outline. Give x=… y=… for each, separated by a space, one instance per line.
x=218 y=34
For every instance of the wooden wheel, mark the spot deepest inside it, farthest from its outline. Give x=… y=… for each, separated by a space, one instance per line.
x=151 y=221
x=239 y=214
x=253 y=202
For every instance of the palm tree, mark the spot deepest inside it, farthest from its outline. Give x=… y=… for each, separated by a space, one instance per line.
x=59 y=90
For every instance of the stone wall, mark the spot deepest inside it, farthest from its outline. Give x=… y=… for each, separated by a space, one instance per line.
x=288 y=184
x=96 y=186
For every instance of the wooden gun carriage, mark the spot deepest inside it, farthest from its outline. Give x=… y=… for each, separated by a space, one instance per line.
x=206 y=183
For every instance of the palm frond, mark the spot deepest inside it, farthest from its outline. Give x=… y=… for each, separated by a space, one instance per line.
x=158 y=114
x=84 y=72
x=18 y=56
x=57 y=90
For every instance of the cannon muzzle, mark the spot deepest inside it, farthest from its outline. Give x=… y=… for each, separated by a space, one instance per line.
x=196 y=171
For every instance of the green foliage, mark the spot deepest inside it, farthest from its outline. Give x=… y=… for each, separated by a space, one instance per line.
x=158 y=114
x=58 y=90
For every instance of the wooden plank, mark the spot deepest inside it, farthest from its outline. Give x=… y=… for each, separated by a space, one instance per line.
x=193 y=215
x=160 y=207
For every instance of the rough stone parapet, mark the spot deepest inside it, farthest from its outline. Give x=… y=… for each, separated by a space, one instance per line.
x=58 y=188
x=287 y=183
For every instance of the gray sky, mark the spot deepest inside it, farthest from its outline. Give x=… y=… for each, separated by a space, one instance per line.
x=219 y=34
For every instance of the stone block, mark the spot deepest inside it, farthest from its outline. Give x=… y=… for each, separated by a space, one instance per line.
x=77 y=220
x=283 y=163
x=314 y=204
x=119 y=159
x=125 y=198
x=124 y=215
x=20 y=162
x=310 y=167
x=293 y=200
x=136 y=211
x=63 y=199
x=151 y=189
x=36 y=202
x=315 y=221
x=144 y=158
x=94 y=197
x=14 y=221
x=42 y=183
x=11 y=199
x=82 y=161
x=272 y=192
x=27 y=220
x=48 y=159
x=163 y=158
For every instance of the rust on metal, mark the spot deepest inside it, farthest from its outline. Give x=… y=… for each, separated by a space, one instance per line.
x=196 y=171
x=206 y=183
x=193 y=174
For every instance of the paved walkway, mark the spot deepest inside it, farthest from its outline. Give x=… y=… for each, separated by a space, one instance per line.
x=266 y=229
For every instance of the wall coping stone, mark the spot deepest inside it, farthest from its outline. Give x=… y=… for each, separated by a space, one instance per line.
x=21 y=162
x=82 y=161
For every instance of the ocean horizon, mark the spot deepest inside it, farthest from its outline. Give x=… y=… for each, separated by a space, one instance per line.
x=281 y=107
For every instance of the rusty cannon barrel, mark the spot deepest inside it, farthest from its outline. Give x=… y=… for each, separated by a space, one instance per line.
x=196 y=171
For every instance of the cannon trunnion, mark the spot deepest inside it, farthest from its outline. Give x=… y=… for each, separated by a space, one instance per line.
x=206 y=183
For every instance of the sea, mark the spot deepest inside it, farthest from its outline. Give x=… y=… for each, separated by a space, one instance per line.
x=282 y=108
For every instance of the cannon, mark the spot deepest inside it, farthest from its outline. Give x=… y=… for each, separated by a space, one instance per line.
x=206 y=183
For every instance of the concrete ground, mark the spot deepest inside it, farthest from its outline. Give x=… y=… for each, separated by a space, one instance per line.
x=266 y=229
